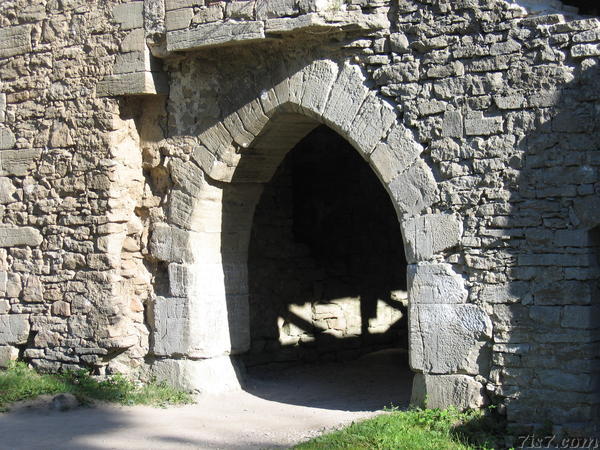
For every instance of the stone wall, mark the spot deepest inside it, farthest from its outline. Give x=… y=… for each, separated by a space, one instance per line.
x=135 y=139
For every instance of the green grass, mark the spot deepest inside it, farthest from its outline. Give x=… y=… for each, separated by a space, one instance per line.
x=434 y=429
x=19 y=382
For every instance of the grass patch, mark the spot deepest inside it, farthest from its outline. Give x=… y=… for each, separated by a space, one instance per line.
x=19 y=382
x=435 y=429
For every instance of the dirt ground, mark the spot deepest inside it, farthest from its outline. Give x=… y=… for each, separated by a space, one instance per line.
x=278 y=408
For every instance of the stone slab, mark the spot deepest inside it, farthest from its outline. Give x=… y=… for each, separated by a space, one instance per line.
x=414 y=189
x=14 y=329
x=442 y=391
x=13 y=236
x=435 y=284
x=212 y=34
x=393 y=156
x=7 y=139
x=449 y=338
x=18 y=162
x=129 y=15
x=138 y=83
x=15 y=40
x=425 y=236
x=206 y=376
x=7 y=355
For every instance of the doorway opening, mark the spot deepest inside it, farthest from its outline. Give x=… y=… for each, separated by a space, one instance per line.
x=326 y=264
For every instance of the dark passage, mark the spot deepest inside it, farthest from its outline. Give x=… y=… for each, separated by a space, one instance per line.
x=326 y=266
x=586 y=7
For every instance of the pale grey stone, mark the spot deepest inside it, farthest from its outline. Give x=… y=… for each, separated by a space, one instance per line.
x=14 y=236
x=253 y=117
x=177 y=4
x=136 y=83
x=395 y=154
x=452 y=126
x=235 y=127
x=170 y=244
x=478 y=125
x=517 y=291
x=178 y=19
x=212 y=34
x=135 y=41
x=585 y=50
x=8 y=354
x=3 y=286
x=137 y=61
x=345 y=99
x=7 y=139
x=442 y=391
x=172 y=327
x=187 y=176
x=206 y=376
x=7 y=191
x=414 y=189
x=182 y=282
x=425 y=236
x=2 y=107
x=14 y=329
x=129 y=15
x=399 y=43
x=435 y=283
x=215 y=169
x=268 y=9
x=15 y=40
x=448 y=338
x=318 y=79
x=371 y=123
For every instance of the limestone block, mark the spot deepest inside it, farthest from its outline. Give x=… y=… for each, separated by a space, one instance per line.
x=448 y=338
x=7 y=191
x=215 y=169
x=7 y=139
x=172 y=326
x=17 y=162
x=393 y=156
x=253 y=117
x=196 y=214
x=268 y=9
x=452 y=126
x=33 y=289
x=345 y=99
x=3 y=285
x=442 y=391
x=235 y=127
x=7 y=355
x=187 y=176
x=219 y=142
x=14 y=329
x=435 y=284
x=15 y=40
x=129 y=15
x=414 y=189
x=137 y=61
x=178 y=19
x=182 y=280
x=371 y=124
x=135 y=41
x=170 y=244
x=478 y=125
x=137 y=83
x=425 y=236
x=206 y=376
x=177 y=4
x=241 y=9
x=212 y=34
x=318 y=79
x=310 y=22
x=2 y=107
x=585 y=50
x=13 y=236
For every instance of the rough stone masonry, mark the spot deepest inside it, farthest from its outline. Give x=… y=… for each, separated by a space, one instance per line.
x=136 y=137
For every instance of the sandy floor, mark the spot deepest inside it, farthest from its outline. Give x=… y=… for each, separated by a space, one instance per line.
x=277 y=409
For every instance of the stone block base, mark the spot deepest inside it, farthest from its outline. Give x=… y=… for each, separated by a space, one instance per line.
x=441 y=391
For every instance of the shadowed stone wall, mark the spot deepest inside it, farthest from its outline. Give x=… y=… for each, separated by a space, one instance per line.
x=326 y=268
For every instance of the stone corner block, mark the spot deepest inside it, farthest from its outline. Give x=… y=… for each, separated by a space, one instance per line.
x=13 y=236
x=170 y=244
x=212 y=34
x=129 y=15
x=14 y=329
x=424 y=236
x=7 y=355
x=135 y=83
x=414 y=189
x=206 y=376
x=442 y=391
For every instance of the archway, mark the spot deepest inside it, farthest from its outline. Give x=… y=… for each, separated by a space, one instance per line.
x=326 y=263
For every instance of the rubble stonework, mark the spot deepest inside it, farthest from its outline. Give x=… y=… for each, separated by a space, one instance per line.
x=135 y=138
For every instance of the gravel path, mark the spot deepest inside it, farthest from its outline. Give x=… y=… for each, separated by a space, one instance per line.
x=278 y=408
